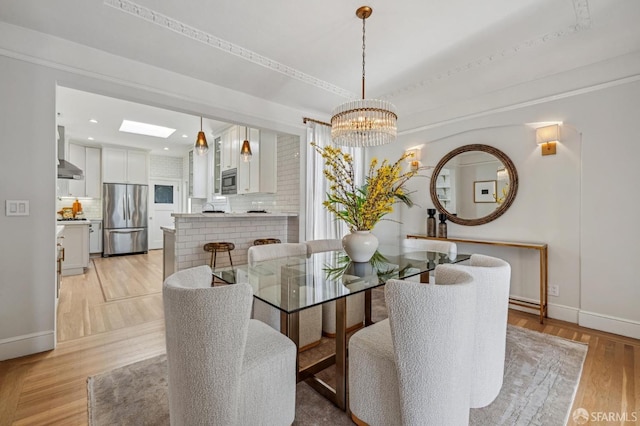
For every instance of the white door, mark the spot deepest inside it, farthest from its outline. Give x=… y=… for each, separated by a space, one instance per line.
x=164 y=199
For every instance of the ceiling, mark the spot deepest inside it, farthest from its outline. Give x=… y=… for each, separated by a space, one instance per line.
x=420 y=55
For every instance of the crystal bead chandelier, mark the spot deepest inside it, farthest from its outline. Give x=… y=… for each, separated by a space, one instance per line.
x=364 y=122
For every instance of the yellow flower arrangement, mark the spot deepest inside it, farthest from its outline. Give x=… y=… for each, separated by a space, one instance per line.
x=362 y=207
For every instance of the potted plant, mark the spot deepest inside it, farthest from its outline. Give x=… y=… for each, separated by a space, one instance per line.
x=361 y=207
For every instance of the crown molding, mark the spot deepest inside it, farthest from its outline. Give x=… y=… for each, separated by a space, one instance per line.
x=215 y=42
x=583 y=22
x=581 y=9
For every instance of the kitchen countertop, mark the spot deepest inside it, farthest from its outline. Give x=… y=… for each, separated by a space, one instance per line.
x=239 y=214
x=73 y=222
x=170 y=229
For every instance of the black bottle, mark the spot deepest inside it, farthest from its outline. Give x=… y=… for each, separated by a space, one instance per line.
x=431 y=223
x=442 y=226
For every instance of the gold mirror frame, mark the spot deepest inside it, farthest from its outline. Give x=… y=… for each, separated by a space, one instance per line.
x=511 y=195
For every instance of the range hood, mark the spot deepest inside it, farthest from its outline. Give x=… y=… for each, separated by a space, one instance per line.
x=66 y=170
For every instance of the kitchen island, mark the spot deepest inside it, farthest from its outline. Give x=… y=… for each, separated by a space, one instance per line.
x=183 y=244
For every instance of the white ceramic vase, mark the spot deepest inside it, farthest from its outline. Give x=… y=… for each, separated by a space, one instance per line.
x=360 y=245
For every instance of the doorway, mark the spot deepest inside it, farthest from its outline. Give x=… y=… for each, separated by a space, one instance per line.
x=164 y=199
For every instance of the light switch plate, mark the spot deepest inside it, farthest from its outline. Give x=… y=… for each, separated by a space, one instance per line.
x=17 y=207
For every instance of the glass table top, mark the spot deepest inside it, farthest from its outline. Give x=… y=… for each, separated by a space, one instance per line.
x=299 y=282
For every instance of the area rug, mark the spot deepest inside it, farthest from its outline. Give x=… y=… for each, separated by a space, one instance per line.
x=542 y=373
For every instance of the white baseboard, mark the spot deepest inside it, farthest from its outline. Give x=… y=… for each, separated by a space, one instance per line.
x=563 y=312
x=27 y=344
x=609 y=324
x=559 y=312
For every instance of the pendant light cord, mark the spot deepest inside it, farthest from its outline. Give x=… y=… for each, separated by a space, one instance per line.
x=363 y=46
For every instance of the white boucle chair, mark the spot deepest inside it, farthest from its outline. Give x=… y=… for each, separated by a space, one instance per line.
x=355 y=303
x=223 y=366
x=447 y=247
x=310 y=320
x=493 y=277
x=414 y=368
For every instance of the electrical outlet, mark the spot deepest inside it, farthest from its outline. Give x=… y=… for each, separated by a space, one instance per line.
x=554 y=290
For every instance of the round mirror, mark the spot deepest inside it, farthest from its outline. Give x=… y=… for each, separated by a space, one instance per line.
x=474 y=184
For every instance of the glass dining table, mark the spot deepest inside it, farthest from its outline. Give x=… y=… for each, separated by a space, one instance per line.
x=295 y=283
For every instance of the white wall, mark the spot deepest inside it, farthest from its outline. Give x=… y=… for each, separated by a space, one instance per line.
x=27 y=244
x=31 y=65
x=581 y=201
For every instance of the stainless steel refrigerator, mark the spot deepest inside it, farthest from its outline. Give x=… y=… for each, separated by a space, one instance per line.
x=125 y=218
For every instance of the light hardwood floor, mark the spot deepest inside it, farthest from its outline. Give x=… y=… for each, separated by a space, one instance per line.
x=103 y=325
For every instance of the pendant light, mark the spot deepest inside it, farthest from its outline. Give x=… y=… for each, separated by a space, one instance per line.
x=245 y=150
x=364 y=122
x=201 y=143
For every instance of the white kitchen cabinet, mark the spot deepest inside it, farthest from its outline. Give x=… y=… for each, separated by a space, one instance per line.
x=214 y=167
x=88 y=160
x=137 y=170
x=260 y=173
x=230 y=147
x=95 y=236
x=198 y=175
x=249 y=171
x=124 y=166
x=76 y=248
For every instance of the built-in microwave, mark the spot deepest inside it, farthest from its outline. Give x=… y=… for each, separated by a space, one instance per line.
x=229 y=180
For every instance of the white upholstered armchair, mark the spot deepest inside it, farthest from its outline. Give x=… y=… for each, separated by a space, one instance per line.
x=310 y=320
x=223 y=366
x=355 y=303
x=492 y=276
x=415 y=367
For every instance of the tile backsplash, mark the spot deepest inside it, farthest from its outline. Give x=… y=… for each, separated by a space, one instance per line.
x=92 y=207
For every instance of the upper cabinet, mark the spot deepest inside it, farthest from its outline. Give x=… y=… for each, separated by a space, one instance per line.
x=257 y=175
x=88 y=160
x=215 y=167
x=198 y=173
x=230 y=148
x=124 y=166
x=249 y=171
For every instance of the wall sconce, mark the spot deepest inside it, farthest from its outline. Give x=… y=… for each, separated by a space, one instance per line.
x=547 y=137
x=413 y=158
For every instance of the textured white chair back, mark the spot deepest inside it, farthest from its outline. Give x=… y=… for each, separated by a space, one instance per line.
x=448 y=247
x=493 y=277
x=275 y=251
x=432 y=330
x=204 y=352
x=317 y=246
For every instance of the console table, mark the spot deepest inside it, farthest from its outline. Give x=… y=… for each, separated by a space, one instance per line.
x=542 y=252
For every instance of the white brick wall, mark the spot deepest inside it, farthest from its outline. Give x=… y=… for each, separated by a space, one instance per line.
x=165 y=167
x=193 y=233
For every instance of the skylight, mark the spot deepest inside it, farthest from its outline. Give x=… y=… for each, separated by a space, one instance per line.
x=146 y=129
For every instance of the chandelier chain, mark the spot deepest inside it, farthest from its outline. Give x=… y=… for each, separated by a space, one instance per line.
x=363 y=55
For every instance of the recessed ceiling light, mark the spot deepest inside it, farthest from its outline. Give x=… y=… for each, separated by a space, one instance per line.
x=146 y=129
x=93 y=120
x=166 y=149
x=185 y=136
x=90 y=138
